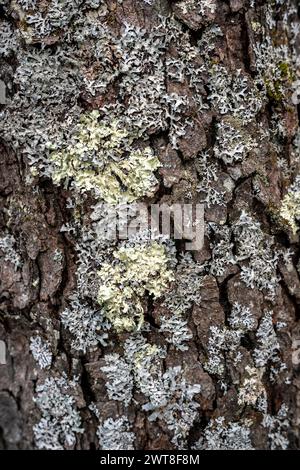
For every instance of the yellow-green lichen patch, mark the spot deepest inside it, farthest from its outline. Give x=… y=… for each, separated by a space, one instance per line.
x=144 y=355
x=136 y=270
x=277 y=85
x=274 y=90
x=290 y=207
x=101 y=159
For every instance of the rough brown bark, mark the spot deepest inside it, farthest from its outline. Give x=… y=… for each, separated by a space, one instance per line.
x=34 y=294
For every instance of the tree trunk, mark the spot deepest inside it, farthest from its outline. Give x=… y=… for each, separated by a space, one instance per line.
x=144 y=344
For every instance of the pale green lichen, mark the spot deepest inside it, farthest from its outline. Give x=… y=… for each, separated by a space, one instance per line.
x=252 y=388
x=290 y=207
x=100 y=158
x=136 y=270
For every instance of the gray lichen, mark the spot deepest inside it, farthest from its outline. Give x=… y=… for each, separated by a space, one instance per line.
x=60 y=421
x=41 y=352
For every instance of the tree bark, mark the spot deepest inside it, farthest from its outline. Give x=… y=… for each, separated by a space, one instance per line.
x=248 y=375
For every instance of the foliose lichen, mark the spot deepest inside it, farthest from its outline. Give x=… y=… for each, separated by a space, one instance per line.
x=135 y=271
x=60 y=421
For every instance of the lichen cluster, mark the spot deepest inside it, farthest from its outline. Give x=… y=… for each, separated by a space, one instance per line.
x=60 y=421
x=169 y=396
x=290 y=207
x=93 y=160
x=136 y=270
